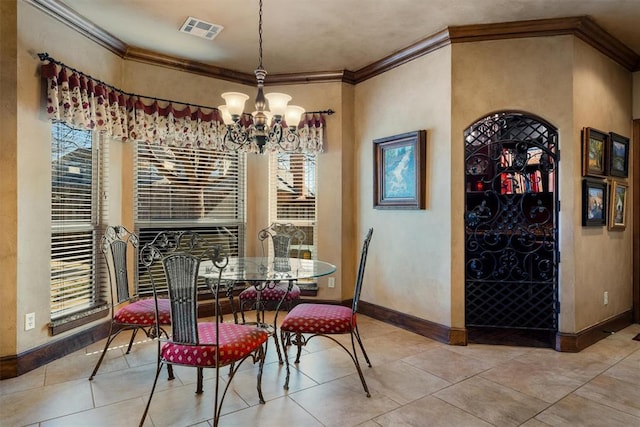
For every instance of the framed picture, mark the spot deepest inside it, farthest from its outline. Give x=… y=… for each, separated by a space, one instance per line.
x=594 y=202
x=594 y=151
x=618 y=155
x=400 y=171
x=618 y=206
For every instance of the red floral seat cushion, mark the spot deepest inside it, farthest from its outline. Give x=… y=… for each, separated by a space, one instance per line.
x=236 y=341
x=319 y=319
x=142 y=312
x=271 y=293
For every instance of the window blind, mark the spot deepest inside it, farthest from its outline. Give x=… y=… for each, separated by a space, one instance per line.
x=292 y=193
x=78 y=177
x=189 y=189
x=187 y=185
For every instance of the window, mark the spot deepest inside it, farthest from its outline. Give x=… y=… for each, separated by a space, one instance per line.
x=293 y=195
x=78 y=287
x=190 y=189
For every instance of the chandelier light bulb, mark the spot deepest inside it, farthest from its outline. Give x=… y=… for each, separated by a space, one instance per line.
x=235 y=103
x=292 y=115
x=226 y=116
x=277 y=104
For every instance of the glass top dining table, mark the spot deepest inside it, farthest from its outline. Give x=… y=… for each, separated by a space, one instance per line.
x=263 y=273
x=260 y=269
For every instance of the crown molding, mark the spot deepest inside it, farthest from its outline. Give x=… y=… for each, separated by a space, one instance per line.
x=154 y=58
x=70 y=18
x=344 y=76
x=416 y=50
x=596 y=36
x=582 y=27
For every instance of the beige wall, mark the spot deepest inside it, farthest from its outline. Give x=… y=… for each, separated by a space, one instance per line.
x=408 y=268
x=407 y=274
x=602 y=259
x=9 y=180
x=515 y=75
x=36 y=32
x=566 y=82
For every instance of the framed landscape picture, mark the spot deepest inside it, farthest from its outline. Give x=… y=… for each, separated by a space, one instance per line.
x=594 y=151
x=618 y=155
x=400 y=171
x=594 y=202
x=618 y=206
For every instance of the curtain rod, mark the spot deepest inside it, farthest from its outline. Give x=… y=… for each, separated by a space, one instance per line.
x=44 y=56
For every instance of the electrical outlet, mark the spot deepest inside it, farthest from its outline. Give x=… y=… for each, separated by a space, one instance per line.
x=605 y=298
x=29 y=321
x=332 y=282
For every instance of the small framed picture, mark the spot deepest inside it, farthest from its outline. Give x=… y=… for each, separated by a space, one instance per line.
x=594 y=151
x=594 y=202
x=400 y=171
x=618 y=206
x=618 y=155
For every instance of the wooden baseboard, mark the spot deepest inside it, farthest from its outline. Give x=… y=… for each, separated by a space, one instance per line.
x=15 y=365
x=435 y=331
x=573 y=343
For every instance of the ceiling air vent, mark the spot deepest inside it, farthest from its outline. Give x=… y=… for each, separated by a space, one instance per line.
x=200 y=28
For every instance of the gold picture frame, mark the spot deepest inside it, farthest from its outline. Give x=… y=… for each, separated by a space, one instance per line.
x=618 y=205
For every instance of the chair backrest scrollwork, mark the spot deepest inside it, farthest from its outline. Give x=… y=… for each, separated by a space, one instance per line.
x=182 y=254
x=282 y=237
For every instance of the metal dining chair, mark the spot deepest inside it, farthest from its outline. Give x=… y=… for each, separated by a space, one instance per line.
x=200 y=345
x=276 y=294
x=128 y=311
x=282 y=238
x=306 y=321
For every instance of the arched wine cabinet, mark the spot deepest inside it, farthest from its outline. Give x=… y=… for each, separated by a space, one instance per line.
x=511 y=223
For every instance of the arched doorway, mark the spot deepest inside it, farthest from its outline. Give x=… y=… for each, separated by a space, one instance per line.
x=511 y=229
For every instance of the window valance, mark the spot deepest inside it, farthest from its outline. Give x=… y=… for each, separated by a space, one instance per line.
x=83 y=102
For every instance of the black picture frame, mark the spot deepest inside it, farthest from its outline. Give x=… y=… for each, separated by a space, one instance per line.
x=399 y=171
x=594 y=202
x=595 y=146
x=618 y=155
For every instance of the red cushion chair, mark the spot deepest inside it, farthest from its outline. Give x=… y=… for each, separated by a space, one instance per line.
x=286 y=240
x=235 y=342
x=312 y=320
x=128 y=313
x=192 y=343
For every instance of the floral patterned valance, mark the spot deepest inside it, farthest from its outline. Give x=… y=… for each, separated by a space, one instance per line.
x=86 y=103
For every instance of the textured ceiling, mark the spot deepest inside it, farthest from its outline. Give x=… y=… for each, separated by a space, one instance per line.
x=325 y=35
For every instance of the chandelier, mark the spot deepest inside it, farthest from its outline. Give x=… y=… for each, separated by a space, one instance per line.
x=272 y=126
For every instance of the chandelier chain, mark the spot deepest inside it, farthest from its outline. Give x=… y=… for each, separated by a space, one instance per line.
x=260 y=35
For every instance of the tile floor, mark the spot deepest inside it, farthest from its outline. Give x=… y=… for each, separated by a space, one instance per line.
x=414 y=381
